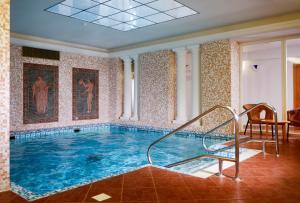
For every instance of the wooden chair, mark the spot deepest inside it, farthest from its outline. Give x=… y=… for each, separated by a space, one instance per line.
x=293 y=116
x=254 y=117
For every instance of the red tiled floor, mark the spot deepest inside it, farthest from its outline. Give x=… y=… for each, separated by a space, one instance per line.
x=264 y=179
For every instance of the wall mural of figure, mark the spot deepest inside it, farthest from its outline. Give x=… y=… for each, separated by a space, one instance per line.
x=85 y=94
x=40 y=93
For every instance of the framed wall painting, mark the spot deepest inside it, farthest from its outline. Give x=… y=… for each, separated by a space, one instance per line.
x=40 y=93
x=85 y=94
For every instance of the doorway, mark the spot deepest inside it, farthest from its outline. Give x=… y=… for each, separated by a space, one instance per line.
x=296 y=85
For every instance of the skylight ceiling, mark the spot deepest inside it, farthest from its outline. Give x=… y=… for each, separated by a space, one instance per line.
x=123 y=15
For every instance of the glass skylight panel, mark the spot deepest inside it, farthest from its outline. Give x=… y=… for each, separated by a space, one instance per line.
x=164 y=5
x=142 y=11
x=123 y=17
x=122 y=4
x=145 y=1
x=63 y=10
x=103 y=10
x=159 y=18
x=181 y=12
x=86 y=16
x=124 y=27
x=140 y=22
x=80 y=4
x=101 y=1
x=107 y=22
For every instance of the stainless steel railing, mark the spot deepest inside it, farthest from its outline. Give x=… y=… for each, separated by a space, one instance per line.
x=235 y=118
x=253 y=140
x=236 y=132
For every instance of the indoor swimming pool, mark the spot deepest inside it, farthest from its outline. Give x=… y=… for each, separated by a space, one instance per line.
x=44 y=164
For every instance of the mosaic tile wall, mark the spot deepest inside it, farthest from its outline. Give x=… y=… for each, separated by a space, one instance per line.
x=219 y=84
x=66 y=63
x=219 y=79
x=4 y=94
x=157 y=87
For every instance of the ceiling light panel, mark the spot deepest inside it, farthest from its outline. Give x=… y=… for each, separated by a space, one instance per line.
x=124 y=27
x=140 y=22
x=142 y=11
x=164 y=5
x=107 y=22
x=101 y=1
x=122 y=4
x=159 y=18
x=80 y=4
x=145 y=1
x=123 y=15
x=103 y=10
x=181 y=12
x=86 y=16
x=63 y=10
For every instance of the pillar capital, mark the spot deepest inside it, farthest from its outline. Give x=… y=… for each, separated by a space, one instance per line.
x=194 y=47
x=135 y=57
x=126 y=59
x=180 y=50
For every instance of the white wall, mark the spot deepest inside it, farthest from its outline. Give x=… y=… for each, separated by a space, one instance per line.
x=290 y=86
x=264 y=85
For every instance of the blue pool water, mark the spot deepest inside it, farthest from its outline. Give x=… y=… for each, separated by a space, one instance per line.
x=59 y=161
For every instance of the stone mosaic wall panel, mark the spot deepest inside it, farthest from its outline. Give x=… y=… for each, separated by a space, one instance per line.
x=65 y=65
x=40 y=93
x=4 y=94
x=219 y=77
x=157 y=86
x=85 y=94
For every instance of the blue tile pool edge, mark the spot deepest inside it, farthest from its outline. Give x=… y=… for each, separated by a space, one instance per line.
x=107 y=126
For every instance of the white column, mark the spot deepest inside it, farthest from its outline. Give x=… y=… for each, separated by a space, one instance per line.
x=195 y=96
x=181 y=115
x=127 y=88
x=136 y=89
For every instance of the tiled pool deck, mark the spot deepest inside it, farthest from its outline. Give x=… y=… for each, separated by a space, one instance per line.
x=264 y=179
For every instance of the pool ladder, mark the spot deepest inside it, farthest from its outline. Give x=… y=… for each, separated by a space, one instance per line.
x=237 y=142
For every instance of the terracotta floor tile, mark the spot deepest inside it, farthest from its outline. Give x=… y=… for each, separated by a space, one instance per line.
x=168 y=194
x=139 y=194
x=137 y=181
x=74 y=195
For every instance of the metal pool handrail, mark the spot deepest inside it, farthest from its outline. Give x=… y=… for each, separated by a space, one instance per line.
x=243 y=114
x=236 y=132
x=236 y=119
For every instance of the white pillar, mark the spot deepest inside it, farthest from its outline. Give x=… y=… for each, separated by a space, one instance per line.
x=181 y=115
x=127 y=89
x=136 y=89
x=195 y=95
